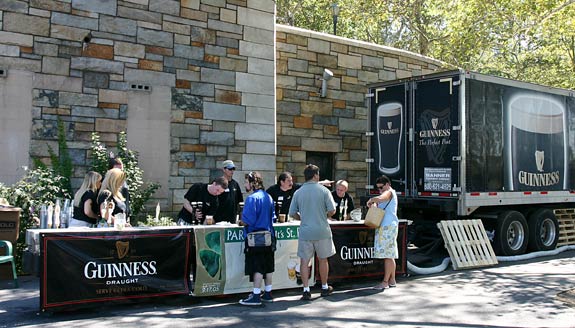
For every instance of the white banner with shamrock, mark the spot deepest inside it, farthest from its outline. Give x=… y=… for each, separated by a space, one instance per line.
x=220 y=270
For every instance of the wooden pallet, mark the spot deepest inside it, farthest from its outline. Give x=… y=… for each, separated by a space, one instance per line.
x=467 y=243
x=566 y=219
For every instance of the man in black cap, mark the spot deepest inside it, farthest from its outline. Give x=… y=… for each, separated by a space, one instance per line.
x=231 y=198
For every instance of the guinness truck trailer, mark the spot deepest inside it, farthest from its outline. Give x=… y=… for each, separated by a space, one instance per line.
x=466 y=145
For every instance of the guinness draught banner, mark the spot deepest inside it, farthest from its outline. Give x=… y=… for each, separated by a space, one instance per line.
x=111 y=266
x=354 y=253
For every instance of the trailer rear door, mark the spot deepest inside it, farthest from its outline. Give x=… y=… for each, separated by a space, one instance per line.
x=388 y=123
x=436 y=132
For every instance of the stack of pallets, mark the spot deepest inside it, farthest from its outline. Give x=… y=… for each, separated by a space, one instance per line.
x=467 y=243
x=566 y=218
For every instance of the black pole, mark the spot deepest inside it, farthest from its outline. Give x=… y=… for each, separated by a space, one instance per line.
x=334 y=25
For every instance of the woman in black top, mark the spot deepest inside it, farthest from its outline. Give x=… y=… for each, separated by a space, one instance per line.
x=111 y=193
x=85 y=208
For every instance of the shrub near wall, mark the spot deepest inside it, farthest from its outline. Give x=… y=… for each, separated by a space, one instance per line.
x=38 y=187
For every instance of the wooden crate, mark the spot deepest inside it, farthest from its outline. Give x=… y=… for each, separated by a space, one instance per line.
x=566 y=219
x=467 y=243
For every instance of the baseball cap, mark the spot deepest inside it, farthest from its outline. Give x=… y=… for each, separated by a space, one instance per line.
x=229 y=164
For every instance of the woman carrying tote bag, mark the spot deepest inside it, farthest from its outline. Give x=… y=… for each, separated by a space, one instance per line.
x=385 y=243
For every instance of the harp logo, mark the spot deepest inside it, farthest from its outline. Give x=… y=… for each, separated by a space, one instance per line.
x=539 y=160
x=122 y=249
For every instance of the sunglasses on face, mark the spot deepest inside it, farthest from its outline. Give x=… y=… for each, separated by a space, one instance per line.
x=232 y=169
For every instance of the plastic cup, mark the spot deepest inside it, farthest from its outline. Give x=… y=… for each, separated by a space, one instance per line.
x=291 y=269
x=120 y=221
x=209 y=220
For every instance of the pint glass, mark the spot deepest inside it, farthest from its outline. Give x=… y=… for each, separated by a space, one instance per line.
x=537 y=147
x=389 y=130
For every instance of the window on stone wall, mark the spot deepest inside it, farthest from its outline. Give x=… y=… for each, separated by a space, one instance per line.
x=323 y=160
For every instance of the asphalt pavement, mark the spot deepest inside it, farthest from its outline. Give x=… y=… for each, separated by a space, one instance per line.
x=534 y=293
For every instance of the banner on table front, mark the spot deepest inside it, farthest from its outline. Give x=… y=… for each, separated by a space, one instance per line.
x=107 y=266
x=354 y=253
x=220 y=260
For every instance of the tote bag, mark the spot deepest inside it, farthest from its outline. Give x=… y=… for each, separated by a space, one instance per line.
x=374 y=216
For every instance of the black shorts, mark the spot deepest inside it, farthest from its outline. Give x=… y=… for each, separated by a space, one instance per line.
x=260 y=260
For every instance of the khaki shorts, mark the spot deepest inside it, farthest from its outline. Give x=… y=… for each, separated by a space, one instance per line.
x=324 y=248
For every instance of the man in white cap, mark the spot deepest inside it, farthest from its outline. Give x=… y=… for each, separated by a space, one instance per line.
x=231 y=198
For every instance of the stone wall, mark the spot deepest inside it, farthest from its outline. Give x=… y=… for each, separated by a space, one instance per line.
x=190 y=81
x=337 y=123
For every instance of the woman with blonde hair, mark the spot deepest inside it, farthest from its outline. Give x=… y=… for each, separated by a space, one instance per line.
x=85 y=208
x=110 y=199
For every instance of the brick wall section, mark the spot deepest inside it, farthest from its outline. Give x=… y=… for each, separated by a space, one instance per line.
x=217 y=56
x=338 y=122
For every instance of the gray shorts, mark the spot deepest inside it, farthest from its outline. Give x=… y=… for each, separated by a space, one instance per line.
x=324 y=248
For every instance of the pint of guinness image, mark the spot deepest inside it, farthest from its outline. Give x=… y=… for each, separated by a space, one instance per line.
x=389 y=131
x=537 y=143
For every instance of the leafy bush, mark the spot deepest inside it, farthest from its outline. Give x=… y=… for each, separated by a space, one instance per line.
x=161 y=222
x=39 y=186
x=140 y=191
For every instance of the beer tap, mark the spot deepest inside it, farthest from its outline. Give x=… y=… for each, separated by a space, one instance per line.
x=198 y=211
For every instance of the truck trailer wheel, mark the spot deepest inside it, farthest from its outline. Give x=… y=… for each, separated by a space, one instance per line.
x=543 y=230
x=511 y=234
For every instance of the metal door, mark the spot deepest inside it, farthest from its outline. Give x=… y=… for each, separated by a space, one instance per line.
x=435 y=142
x=388 y=124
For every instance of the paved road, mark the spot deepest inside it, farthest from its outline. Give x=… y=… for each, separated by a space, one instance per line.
x=518 y=294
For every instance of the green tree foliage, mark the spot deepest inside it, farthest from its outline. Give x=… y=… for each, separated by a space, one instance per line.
x=530 y=40
x=140 y=191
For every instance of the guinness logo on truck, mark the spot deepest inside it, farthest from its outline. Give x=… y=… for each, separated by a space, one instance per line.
x=539 y=160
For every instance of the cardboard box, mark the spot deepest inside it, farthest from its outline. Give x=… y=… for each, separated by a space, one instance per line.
x=9 y=223
x=9 y=229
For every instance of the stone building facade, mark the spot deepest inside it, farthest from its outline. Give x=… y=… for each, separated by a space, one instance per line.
x=191 y=82
x=334 y=126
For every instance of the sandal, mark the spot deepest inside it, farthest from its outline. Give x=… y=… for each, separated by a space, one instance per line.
x=381 y=287
x=392 y=284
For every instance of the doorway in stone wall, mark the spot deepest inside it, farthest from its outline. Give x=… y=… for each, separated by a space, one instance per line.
x=324 y=161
